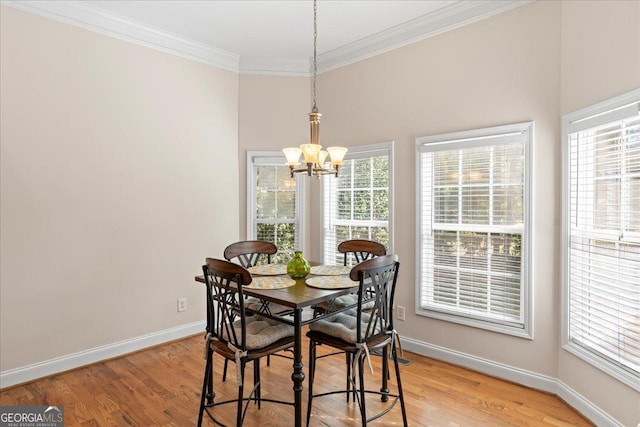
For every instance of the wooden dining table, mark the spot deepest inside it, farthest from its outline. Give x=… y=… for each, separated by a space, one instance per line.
x=297 y=298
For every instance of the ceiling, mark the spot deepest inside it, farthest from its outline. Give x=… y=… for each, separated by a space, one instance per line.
x=270 y=36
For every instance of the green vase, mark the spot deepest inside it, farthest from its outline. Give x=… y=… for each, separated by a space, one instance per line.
x=298 y=267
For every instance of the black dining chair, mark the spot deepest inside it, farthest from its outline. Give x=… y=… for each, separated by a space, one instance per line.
x=249 y=253
x=354 y=251
x=359 y=332
x=236 y=336
x=359 y=250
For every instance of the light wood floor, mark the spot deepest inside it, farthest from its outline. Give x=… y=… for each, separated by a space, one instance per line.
x=161 y=387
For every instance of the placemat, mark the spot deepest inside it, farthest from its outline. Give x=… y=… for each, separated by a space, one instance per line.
x=271 y=282
x=268 y=269
x=330 y=270
x=331 y=282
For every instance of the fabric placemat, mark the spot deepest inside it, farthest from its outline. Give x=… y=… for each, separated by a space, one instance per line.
x=271 y=282
x=268 y=269
x=330 y=270
x=331 y=282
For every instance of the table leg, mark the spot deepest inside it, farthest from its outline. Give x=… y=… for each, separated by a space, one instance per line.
x=298 y=375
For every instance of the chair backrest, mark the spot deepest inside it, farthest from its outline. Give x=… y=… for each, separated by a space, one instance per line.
x=377 y=285
x=225 y=303
x=249 y=252
x=361 y=250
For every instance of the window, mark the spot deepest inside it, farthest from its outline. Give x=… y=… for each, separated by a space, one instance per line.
x=274 y=203
x=473 y=228
x=601 y=239
x=357 y=203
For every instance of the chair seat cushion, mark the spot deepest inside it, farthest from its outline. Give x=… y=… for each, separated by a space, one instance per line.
x=256 y=304
x=342 y=302
x=341 y=325
x=262 y=332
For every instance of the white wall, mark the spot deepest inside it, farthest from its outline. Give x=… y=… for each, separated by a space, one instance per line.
x=112 y=159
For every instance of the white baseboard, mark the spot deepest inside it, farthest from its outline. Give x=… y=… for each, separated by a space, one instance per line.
x=585 y=407
x=75 y=360
x=485 y=366
x=516 y=375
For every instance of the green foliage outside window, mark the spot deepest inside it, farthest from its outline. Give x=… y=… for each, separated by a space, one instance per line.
x=276 y=209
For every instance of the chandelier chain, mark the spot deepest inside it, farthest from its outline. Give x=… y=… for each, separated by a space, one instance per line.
x=315 y=48
x=315 y=158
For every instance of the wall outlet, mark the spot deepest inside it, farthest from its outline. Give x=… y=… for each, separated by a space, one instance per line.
x=400 y=312
x=182 y=304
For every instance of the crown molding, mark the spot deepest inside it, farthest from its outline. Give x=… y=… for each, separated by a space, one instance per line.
x=446 y=19
x=83 y=15
x=275 y=66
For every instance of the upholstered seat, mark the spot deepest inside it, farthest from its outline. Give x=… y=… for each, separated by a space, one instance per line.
x=261 y=332
x=339 y=303
x=341 y=325
x=256 y=304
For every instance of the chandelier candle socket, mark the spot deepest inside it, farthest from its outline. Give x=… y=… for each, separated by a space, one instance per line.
x=315 y=157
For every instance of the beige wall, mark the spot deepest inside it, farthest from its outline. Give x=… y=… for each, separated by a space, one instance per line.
x=600 y=51
x=530 y=64
x=600 y=59
x=115 y=159
x=273 y=115
x=112 y=159
x=499 y=71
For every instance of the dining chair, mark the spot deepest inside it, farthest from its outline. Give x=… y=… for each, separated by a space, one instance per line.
x=360 y=250
x=249 y=253
x=236 y=336
x=357 y=250
x=354 y=251
x=358 y=333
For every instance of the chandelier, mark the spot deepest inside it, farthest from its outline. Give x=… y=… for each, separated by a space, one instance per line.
x=315 y=158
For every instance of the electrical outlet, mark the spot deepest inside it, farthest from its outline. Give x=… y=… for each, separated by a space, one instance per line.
x=400 y=312
x=182 y=304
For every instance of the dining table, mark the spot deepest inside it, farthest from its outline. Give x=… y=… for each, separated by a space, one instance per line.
x=271 y=285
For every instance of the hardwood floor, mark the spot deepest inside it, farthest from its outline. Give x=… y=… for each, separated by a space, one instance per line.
x=161 y=387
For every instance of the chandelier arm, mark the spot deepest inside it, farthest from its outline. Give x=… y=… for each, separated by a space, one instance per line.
x=314 y=171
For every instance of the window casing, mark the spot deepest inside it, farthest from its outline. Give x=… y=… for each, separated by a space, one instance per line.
x=358 y=203
x=274 y=202
x=473 y=228
x=601 y=238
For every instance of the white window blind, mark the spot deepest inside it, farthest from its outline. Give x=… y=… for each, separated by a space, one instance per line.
x=273 y=204
x=473 y=220
x=356 y=204
x=602 y=278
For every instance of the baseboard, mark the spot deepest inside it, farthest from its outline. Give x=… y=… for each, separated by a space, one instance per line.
x=585 y=407
x=76 y=360
x=516 y=375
